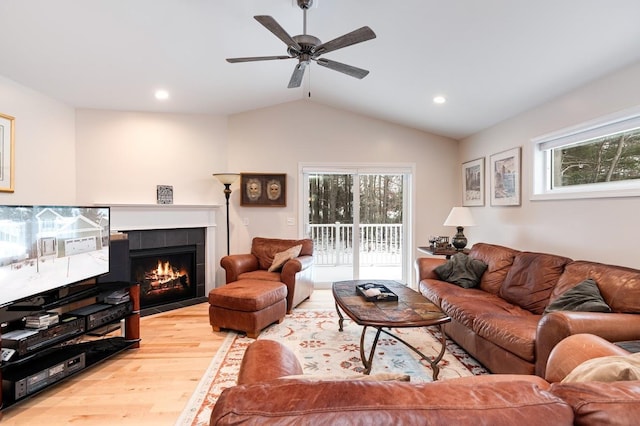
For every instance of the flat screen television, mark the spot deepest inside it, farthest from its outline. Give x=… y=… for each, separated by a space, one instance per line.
x=43 y=248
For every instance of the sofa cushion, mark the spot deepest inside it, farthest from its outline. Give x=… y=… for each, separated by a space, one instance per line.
x=461 y=270
x=498 y=259
x=514 y=332
x=584 y=297
x=531 y=280
x=280 y=258
x=504 y=324
x=602 y=404
x=265 y=249
x=619 y=286
x=606 y=369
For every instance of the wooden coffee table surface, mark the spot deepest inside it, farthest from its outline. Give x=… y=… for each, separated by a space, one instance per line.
x=411 y=310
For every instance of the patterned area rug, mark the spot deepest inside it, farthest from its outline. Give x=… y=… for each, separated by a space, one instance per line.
x=323 y=350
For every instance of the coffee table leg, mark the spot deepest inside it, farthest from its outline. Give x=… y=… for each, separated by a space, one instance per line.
x=341 y=320
x=432 y=362
x=367 y=362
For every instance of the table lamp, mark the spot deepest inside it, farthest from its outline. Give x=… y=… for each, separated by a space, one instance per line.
x=459 y=217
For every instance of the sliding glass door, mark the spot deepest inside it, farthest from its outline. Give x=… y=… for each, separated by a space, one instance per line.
x=358 y=219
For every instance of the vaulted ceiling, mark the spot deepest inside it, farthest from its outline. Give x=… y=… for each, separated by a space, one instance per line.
x=491 y=59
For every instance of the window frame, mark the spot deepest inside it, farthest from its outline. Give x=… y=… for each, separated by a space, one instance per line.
x=542 y=146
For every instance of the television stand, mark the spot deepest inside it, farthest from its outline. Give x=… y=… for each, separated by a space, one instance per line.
x=85 y=336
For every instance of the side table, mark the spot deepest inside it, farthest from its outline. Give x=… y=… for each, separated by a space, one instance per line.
x=446 y=252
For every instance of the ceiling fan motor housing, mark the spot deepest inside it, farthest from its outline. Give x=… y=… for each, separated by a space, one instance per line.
x=307 y=42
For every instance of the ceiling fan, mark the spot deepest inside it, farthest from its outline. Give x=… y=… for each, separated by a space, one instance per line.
x=306 y=48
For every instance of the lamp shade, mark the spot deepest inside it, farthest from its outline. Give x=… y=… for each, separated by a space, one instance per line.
x=460 y=216
x=227 y=178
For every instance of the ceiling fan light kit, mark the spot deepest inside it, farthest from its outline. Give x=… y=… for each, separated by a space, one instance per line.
x=306 y=48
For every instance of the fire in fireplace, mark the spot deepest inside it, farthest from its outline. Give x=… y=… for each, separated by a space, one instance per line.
x=165 y=275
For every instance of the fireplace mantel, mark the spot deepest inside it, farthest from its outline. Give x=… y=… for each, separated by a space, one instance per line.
x=162 y=216
x=138 y=217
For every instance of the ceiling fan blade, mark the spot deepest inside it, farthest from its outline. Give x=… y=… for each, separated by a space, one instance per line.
x=298 y=73
x=273 y=26
x=257 y=58
x=343 y=68
x=356 y=36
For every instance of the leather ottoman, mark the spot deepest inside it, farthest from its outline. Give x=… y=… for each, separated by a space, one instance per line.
x=247 y=305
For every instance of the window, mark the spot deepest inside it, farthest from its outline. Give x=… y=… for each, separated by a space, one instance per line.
x=596 y=159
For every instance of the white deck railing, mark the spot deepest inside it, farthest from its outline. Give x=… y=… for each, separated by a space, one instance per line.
x=380 y=244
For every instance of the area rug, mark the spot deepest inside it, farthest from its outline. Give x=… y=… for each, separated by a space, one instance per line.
x=323 y=350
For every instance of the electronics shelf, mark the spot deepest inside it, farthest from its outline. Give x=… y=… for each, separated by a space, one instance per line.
x=34 y=359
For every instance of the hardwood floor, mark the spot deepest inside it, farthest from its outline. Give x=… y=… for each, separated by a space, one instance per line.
x=146 y=386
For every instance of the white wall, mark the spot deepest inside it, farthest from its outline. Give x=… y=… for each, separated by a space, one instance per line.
x=606 y=229
x=45 y=157
x=122 y=156
x=277 y=139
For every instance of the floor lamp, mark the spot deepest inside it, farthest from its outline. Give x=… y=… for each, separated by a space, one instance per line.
x=227 y=179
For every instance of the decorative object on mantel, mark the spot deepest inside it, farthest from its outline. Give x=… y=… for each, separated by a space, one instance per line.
x=263 y=190
x=7 y=172
x=227 y=179
x=164 y=194
x=459 y=217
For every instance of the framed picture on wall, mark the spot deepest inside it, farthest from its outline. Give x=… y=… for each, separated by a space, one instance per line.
x=505 y=178
x=473 y=183
x=7 y=171
x=263 y=190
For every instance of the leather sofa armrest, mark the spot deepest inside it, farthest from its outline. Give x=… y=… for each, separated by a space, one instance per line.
x=576 y=349
x=280 y=361
x=556 y=326
x=237 y=264
x=293 y=266
x=425 y=266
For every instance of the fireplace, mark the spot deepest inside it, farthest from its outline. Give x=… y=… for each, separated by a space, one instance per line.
x=165 y=275
x=169 y=264
x=153 y=226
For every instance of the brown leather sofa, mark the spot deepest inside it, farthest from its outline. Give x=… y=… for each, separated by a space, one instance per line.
x=265 y=396
x=296 y=273
x=501 y=322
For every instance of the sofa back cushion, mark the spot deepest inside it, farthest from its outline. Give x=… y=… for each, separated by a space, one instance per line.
x=265 y=249
x=311 y=402
x=619 y=286
x=531 y=280
x=498 y=259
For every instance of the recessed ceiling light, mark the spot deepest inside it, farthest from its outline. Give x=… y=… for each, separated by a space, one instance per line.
x=439 y=100
x=161 y=95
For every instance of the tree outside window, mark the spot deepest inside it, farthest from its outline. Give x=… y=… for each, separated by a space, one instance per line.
x=609 y=158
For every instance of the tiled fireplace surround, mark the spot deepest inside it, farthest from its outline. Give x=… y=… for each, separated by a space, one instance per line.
x=163 y=226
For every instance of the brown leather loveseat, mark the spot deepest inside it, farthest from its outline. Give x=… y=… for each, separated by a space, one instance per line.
x=265 y=396
x=296 y=273
x=501 y=322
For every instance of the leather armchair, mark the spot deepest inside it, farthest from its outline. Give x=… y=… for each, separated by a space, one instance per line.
x=296 y=273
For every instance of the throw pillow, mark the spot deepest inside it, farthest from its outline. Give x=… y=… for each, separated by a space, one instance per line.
x=280 y=258
x=584 y=297
x=461 y=270
x=606 y=369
